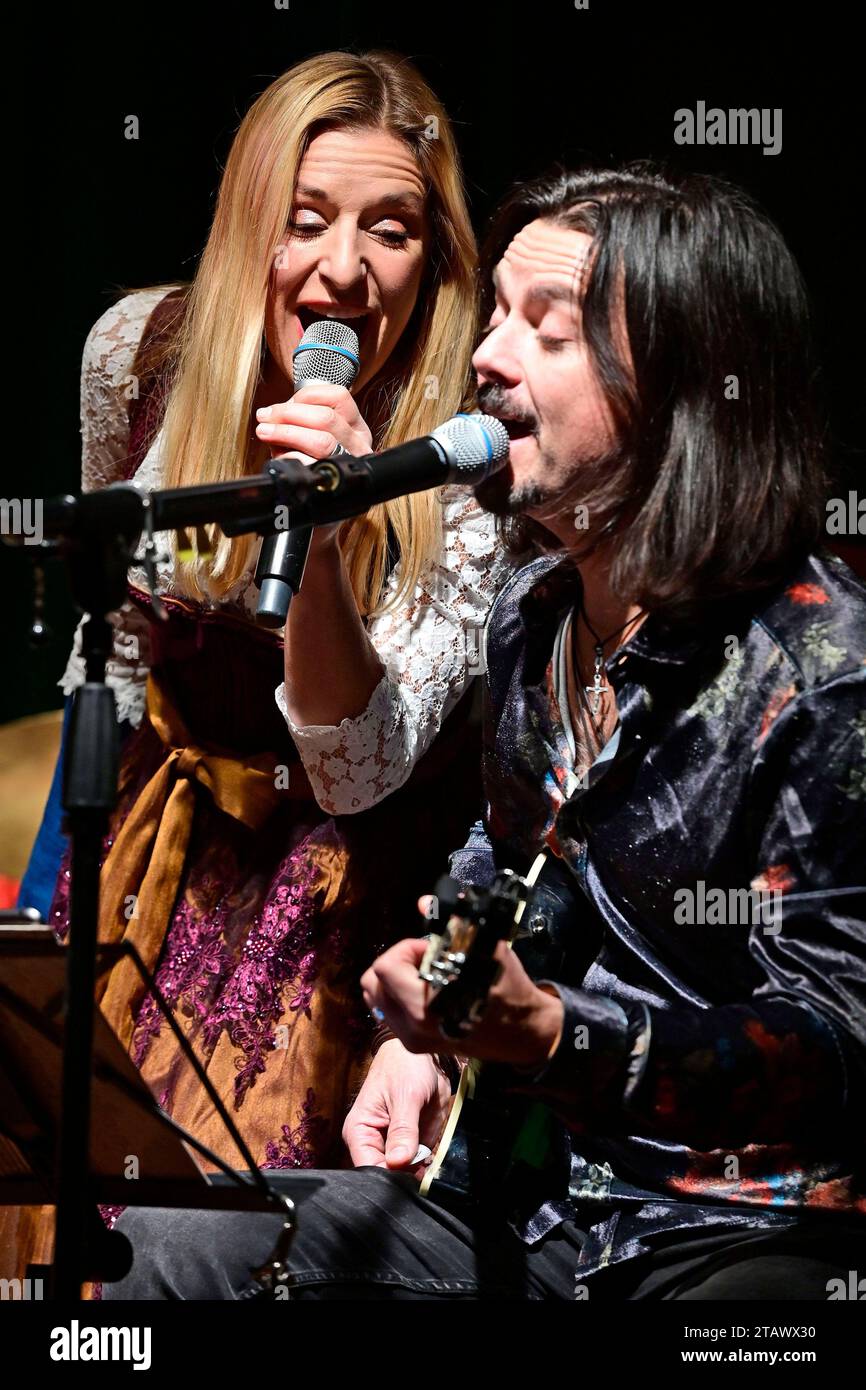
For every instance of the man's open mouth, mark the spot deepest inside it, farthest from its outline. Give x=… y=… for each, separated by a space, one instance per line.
x=517 y=429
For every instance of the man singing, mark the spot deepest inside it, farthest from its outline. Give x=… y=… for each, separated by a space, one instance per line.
x=675 y=711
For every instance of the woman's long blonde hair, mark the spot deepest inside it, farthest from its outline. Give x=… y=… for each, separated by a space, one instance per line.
x=217 y=354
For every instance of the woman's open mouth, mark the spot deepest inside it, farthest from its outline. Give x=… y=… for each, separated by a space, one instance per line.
x=307 y=316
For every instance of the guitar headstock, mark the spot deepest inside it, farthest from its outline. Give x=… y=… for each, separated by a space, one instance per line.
x=459 y=964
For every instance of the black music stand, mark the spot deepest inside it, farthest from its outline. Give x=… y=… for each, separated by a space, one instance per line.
x=125 y=1119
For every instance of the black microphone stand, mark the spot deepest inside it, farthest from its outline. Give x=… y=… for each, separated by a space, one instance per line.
x=98 y=567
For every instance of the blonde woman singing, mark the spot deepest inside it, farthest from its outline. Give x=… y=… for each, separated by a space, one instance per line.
x=285 y=797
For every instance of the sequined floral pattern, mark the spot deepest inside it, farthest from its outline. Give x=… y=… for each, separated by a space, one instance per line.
x=297 y=1147
x=278 y=951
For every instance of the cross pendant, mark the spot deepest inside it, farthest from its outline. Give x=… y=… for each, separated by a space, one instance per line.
x=597 y=689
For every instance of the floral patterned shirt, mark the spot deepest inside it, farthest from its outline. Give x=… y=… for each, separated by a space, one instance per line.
x=712 y=1067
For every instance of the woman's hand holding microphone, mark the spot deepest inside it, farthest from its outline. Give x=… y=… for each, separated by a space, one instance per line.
x=313 y=422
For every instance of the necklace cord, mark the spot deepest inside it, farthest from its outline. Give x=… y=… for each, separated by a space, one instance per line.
x=600 y=669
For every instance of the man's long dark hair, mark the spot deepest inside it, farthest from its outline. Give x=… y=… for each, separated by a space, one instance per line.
x=719 y=483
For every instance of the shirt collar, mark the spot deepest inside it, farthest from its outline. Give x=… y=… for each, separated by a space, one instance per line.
x=557 y=587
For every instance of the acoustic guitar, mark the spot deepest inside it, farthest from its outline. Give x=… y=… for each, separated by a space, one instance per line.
x=493 y=1140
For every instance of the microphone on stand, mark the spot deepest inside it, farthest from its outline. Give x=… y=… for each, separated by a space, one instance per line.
x=328 y=352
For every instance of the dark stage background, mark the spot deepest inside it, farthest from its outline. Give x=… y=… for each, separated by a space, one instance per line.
x=525 y=85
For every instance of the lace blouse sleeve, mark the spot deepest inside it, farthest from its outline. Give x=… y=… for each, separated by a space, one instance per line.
x=106 y=368
x=431 y=648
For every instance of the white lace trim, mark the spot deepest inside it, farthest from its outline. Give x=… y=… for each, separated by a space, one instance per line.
x=106 y=381
x=431 y=649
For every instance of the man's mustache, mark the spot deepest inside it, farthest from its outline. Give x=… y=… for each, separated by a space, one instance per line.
x=493 y=400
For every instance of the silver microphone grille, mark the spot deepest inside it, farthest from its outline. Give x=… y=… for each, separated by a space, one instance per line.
x=476 y=446
x=329 y=351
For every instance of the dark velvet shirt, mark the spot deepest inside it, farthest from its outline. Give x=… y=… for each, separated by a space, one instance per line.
x=712 y=1066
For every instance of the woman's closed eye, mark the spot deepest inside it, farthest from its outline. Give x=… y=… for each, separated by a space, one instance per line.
x=306 y=223
x=304 y=227
x=393 y=236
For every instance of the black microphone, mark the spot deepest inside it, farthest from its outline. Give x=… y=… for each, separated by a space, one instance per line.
x=328 y=352
x=465 y=450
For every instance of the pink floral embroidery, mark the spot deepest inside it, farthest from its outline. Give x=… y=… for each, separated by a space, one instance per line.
x=196 y=958
x=278 y=950
x=298 y=1147
x=204 y=977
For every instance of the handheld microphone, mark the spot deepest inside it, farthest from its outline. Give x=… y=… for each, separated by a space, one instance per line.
x=328 y=352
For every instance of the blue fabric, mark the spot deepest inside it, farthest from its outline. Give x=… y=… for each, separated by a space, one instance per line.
x=40 y=876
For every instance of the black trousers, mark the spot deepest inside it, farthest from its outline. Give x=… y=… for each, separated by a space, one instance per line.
x=366 y=1234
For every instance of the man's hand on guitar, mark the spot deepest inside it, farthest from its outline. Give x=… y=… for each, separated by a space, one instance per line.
x=403 y=1102
x=521 y=1026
